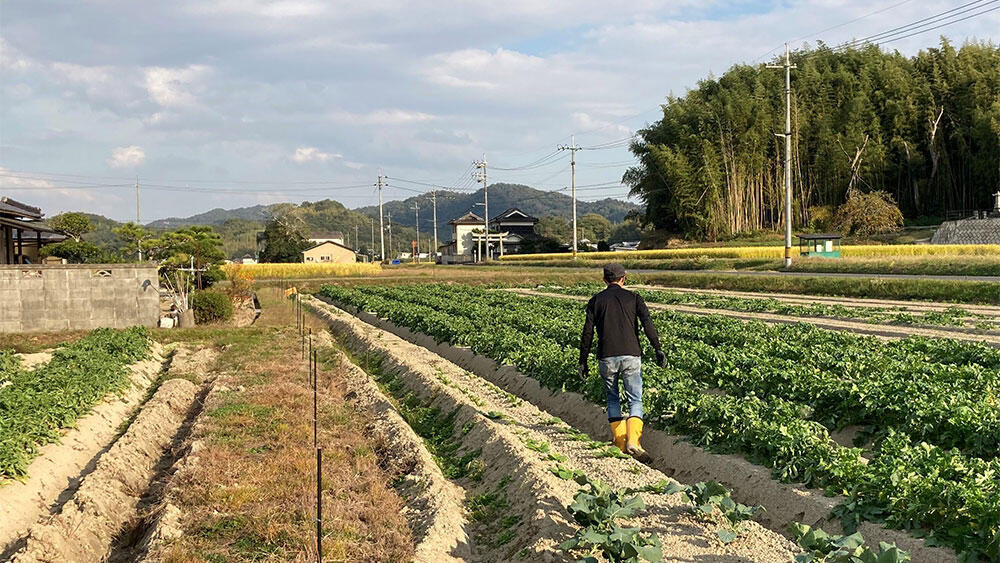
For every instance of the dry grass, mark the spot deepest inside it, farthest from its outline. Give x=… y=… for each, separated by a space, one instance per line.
x=251 y=495
x=30 y=342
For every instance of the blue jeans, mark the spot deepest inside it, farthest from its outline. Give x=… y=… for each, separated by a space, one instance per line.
x=628 y=369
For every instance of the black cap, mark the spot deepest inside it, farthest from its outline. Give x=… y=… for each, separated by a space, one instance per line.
x=614 y=272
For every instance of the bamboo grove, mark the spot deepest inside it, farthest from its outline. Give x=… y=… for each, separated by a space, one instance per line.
x=925 y=129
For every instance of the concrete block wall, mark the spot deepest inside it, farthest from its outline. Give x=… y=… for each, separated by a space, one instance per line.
x=36 y=297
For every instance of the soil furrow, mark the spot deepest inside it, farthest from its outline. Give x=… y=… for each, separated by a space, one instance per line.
x=107 y=498
x=433 y=503
x=521 y=444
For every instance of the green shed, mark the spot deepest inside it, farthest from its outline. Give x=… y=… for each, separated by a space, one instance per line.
x=822 y=245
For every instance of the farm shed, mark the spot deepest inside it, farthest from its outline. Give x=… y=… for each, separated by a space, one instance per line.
x=822 y=245
x=329 y=252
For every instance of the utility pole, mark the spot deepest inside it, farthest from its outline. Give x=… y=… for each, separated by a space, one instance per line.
x=381 y=225
x=371 y=249
x=137 y=222
x=480 y=175
x=357 y=237
x=788 y=66
x=389 y=226
x=434 y=198
x=572 y=148
x=416 y=211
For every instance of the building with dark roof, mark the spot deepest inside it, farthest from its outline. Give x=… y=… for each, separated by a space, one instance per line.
x=22 y=232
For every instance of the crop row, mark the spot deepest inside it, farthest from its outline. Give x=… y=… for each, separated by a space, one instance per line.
x=38 y=403
x=908 y=484
x=940 y=391
x=953 y=316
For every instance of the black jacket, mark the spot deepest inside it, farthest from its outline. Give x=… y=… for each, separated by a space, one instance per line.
x=616 y=314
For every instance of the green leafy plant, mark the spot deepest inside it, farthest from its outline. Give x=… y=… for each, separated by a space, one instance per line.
x=38 y=403
x=597 y=510
x=706 y=497
x=821 y=547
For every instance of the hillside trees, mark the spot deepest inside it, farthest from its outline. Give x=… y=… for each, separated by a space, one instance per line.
x=925 y=130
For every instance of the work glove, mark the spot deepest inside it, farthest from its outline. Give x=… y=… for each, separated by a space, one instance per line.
x=661 y=359
x=583 y=371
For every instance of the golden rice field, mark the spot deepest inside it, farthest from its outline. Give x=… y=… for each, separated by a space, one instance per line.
x=285 y=271
x=776 y=252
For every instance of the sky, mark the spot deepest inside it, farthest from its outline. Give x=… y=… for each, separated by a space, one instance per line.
x=230 y=103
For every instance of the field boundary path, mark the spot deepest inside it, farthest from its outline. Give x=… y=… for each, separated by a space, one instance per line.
x=888 y=332
x=940 y=277
x=672 y=455
x=519 y=445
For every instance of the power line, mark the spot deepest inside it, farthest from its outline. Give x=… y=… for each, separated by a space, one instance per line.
x=923 y=25
x=831 y=28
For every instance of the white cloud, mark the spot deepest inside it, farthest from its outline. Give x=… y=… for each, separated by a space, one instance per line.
x=263 y=8
x=585 y=122
x=174 y=86
x=476 y=68
x=312 y=154
x=29 y=189
x=381 y=117
x=127 y=157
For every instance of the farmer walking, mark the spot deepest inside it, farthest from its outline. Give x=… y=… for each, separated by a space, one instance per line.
x=616 y=314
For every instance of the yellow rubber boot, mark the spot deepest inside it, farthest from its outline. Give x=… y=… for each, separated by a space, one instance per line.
x=619 y=429
x=634 y=432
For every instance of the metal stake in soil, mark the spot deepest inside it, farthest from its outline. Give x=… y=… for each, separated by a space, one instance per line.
x=315 y=402
x=319 y=504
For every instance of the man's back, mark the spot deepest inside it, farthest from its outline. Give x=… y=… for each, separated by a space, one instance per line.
x=616 y=313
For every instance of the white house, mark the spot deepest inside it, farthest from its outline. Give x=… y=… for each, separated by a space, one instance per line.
x=461 y=248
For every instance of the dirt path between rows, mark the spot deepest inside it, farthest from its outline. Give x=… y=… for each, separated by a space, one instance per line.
x=433 y=503
x=798 y=299
x=57 y=471
x=887 y=332
x=520 y=444
x=672 y=454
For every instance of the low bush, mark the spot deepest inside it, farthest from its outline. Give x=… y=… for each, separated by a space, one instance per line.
x=211 y=306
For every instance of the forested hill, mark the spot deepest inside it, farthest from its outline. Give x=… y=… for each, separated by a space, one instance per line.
x=214 y=217
x=925 y=129
x=502 y=197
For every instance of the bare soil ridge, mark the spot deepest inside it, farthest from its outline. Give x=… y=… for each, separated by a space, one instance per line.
x=87 y=525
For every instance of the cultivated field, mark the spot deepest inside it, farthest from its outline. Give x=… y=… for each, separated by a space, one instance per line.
x=452 y=426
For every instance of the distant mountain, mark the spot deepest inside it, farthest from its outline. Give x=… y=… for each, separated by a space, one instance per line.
x=502 y=197
x=214 y=217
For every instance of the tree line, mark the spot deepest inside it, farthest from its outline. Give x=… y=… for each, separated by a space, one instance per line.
x=920 y=132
